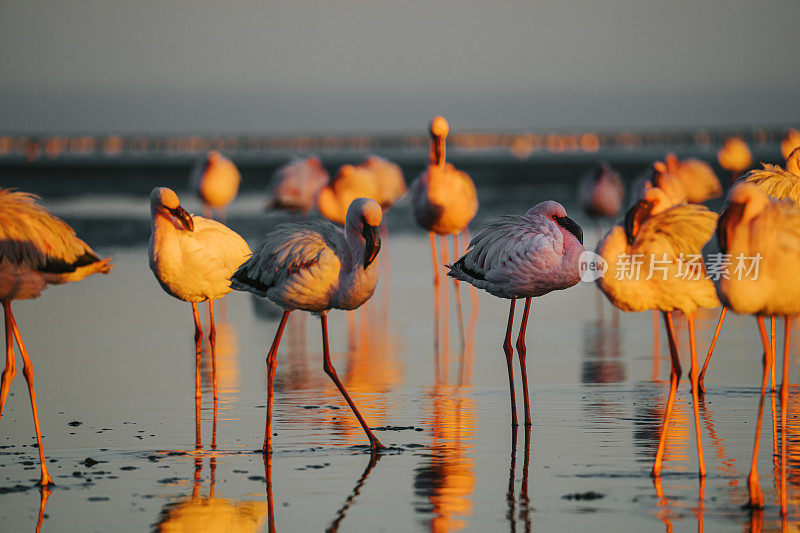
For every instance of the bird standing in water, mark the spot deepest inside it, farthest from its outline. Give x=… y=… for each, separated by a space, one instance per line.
x=315 y=266
x=36 y=249
x=522 y=257
x=192 y=258
x=296 y=185
x=444 y=201
x=755 y=226
x=216 y=180
x=667 y=241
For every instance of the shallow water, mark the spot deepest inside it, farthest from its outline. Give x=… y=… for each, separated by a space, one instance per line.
x=116 y=355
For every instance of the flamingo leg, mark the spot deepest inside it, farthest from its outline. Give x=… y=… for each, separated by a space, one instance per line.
x=756 y=496
x=270 y=506
x=432 y=237
x=509 y=351
x=711 y=350
x=674 y=377
x=328 y=367
x=456 y=289
x=772 y=324
x=523 y=493
x=44 y=493
x=272 y=364
x=198 y=345
x=212 y=340
x=522 y=350
x=510 y=498
x=11 y=367
x=656 y=337
x=693 y=377
x=473 y=292
x=445 y=313
x=784 y=407
x=27 y=371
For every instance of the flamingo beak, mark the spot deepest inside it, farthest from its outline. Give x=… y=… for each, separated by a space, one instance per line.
x=373 y=239
x=572 y=227
x=184 y=217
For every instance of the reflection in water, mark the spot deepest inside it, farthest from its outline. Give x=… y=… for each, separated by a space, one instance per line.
x=211 y=514
x=446 y=480
x=44 y=493
x=602 y=346
x=525 y=510
x=648 y=414
x=340 y=514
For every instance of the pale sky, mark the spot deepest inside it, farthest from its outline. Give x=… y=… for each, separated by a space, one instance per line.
x=359 y=66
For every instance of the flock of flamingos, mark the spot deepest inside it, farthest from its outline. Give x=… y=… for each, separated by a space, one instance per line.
x=317 y=265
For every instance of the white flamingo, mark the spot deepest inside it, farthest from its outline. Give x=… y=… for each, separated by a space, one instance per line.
x=775 y=182
x=192 y=258
x=754 y=225
x=216 y=180
x=316 y=266
x=444 y=201
x=655 y=230
x=36 y=249
x=522 y=257
x=296 y=185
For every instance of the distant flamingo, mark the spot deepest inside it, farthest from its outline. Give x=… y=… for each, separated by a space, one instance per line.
x=775 y=182
x=216 y=180
x=315 y=266
x=522 y=257
x=601 y=192
x=36 y=249
x=790 y=142
x=735 y=156
x=697 y=178
x=296 y=185
x=656 y=231
x=444 y=201
x=192 y=258
x=753 y=225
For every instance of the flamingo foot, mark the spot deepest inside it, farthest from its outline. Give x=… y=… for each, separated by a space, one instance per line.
x=756 y=496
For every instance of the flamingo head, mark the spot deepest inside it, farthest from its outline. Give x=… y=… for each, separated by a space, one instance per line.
x=655 y=201
x=556 y=212
x=439 y=126
x=164 y=200
x=364 y=216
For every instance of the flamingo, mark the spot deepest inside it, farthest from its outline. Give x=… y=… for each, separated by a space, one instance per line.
x=522 y=257
x=192 y=258
x=656 y=230
x=601 y=192
x=36 y=249
x=735 y=156
x=777 y=183
x=790 y=142
x=316 y=266
x=296 y=185
x=757 y=226
x=216 y=180
x=697 y=178
x=444 y=202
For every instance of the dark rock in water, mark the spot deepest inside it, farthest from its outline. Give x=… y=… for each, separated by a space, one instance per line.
x=589 y=495
x=74 y=423
x=256 y=478
x=128 y=468
x=89 y=462
x=98 y=498
x=394 y=428
x=27 y=463
x=169 y=480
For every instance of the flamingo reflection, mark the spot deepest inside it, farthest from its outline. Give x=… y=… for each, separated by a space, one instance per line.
x=211 y=514
x=525 y=509
x=340 y=514
x=447 y=479
x=602 y=346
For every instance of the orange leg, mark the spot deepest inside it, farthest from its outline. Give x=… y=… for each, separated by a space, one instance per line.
x=27 y=371
x=212 y=340
x=432 y=237
x=711 y=349
x=459 y=312
x=328 y=367
x=522 y=350
x=270 y=507
x=523 y=493
x=674 y=377
x=784 y=414
x=272 y=364
x=772 y=321
x=198 y=345
x=510 y=497
x=44 y=494
x=656 y=346
x=695 y=396
x=509 y=351
x=11 y=366
x=445 y=313
x=756 y=496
